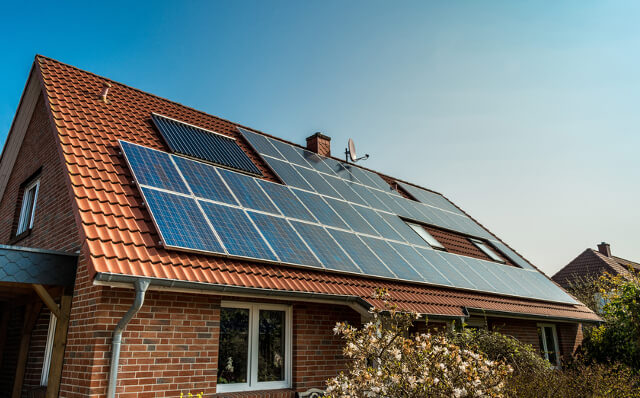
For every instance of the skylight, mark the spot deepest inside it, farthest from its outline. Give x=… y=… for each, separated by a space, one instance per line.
x=487 y=250
x=433 y=242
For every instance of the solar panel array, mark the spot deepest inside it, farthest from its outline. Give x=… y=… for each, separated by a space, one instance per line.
x=203 y=144
x=204 y=208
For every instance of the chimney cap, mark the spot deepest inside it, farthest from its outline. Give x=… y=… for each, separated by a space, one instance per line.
x=318 y=134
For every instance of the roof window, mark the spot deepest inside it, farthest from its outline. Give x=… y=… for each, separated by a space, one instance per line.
x=487 y=250
x=433 y=242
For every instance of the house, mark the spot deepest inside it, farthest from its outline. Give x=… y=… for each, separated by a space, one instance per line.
x=206 y=256
x=592 y=264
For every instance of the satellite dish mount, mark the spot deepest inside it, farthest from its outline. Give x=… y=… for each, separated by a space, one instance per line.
x=350 y=153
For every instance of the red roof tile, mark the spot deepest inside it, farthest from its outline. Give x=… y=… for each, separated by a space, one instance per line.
x=122 y=240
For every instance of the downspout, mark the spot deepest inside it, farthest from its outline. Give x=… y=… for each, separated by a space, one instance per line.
x=141 y=286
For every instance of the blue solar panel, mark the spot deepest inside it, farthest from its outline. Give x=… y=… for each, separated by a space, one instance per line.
x=389 y=201
x=204 y=181
x=318 y=183
x=180 y=222
x=284 y=240
x=153 y=168
x=286 y=201
x=429 y=273
x=430 y=198
x=247 y=191
x=317 y=162
x=361 y=254
x=288 y=174
x=366 y=194
x=237 y=232
x=351 y=216
x=378 y=223
x=202 y=144
x=341 y=169
x=260 y=143
x=325 y=248
x=512 y=255
x=408 y=234
x=491 y=274
x=344 y=190
x=445 y=268
x=291 y=153
x=368 y=178
x=479 y=283
x=393 y=260
x=320 y=209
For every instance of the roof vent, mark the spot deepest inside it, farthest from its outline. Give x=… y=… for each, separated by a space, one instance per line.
x=105 y=91
x=605 y=249
x=320 y=144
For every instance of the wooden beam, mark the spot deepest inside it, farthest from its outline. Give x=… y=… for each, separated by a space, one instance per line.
x=47 y=299
x=59 y=344
x=30 y=317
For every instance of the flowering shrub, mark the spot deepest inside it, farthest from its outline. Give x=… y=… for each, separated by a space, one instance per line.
x=386 y=362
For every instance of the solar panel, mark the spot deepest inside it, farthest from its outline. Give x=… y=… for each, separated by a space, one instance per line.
x=361 y=254
x=204 y=181
x=284 y=240
x=393 y=260
x=453 y=274
x=366 y=194
x=288 y=174
x=203 y=144
x=325 y=248
x=286 y=201
x=378 y=223
x=389 y=201
x=153 y=168
x=340 y=169
x=290 y=153
x=316 y=180
x=344 y=190
x=247 y=191
x=428 y=272
x=260 y=143
x=180 y=222
x=370 y=179
x=320 y=209
x=238 y=234
x=512 y=255
x=408 y=234
x=430 y=198
x=486 y=269
x=317 y=162
x=479 y=283
x=351 y=216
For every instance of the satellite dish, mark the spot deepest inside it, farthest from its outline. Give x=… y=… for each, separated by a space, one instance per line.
x=352 y=150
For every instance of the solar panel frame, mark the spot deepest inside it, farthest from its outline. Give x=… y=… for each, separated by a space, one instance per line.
x=203 y=144
x=145 y=162
x=286 y=201
x=260 y=143
x=237 y=232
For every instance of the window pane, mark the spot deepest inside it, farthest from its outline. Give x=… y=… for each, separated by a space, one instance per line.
x=541 y=341
x=234 y=345
x=433 y=242
x=27 y=208
x=271 y=346
x=551 y=346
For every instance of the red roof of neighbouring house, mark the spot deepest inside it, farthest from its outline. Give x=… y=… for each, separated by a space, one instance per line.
x=120 y=236
x=592 y=263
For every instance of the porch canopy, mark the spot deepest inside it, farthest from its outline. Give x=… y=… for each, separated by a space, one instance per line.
x=29 y=279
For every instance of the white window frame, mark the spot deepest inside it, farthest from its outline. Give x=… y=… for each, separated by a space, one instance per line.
x=252 y=383
x=487 y=250
x=544 y=349
x=48 y=350
x=426 y=236
x=25 y=221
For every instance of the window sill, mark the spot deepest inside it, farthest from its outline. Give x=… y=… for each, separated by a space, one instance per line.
x=281 y=393
x=17 y=238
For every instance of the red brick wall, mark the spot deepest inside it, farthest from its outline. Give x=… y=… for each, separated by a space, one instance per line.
x=54 y=227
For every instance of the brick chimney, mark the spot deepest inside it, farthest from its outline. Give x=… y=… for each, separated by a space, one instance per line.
x=605 y=249
x=320 y=144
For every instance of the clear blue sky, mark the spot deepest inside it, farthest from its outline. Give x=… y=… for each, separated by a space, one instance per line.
x=523 y=113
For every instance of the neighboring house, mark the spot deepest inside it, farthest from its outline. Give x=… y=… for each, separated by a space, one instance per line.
x=592 y=264
x=230 y=253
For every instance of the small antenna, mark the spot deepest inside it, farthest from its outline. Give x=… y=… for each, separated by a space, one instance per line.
x=350 y=152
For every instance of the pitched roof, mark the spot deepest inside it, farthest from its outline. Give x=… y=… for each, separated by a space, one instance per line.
x=121 y=238
x=591 y=263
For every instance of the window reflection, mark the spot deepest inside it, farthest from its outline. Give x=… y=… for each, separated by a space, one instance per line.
x=271 y=346
x=234 y=345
